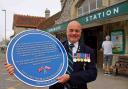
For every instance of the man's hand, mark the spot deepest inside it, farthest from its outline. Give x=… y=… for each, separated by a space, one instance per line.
x=63 y=79
x=9 y=68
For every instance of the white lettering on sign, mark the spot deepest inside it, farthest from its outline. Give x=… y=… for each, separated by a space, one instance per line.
x=103 y=14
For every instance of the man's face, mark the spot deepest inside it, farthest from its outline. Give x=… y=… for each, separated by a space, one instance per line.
x=73 y=32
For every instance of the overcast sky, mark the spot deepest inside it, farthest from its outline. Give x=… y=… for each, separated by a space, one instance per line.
x=24 y=7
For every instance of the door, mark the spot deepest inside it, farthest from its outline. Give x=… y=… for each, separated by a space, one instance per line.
x=93 y=37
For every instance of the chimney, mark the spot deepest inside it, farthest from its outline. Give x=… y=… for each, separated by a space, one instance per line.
x=47 y=13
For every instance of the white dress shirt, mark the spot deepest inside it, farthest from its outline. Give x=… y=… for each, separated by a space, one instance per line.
x=74 y=50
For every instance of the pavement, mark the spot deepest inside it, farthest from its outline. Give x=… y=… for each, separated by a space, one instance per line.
x=109 y=82
x=102 y=81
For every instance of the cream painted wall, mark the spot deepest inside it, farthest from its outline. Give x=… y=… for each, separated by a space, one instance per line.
x=19 y=29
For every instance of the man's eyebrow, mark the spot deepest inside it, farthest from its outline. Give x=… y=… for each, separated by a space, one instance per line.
x=73 y=29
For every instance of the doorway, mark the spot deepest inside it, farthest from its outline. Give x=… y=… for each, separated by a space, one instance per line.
x=93 y=37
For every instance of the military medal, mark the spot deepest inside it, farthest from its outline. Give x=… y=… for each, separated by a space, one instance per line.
x=82 y=60
x=78 y=58
x=74 y=57
x=88 y=57
x=85 y=57
x=82 y=57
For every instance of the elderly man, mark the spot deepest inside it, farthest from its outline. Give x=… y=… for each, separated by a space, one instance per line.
x=82 y=72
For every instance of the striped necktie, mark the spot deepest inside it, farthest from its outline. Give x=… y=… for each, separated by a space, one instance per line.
x=70 y=59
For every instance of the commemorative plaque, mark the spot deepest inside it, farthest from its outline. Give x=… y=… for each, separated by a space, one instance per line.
x=38 y=58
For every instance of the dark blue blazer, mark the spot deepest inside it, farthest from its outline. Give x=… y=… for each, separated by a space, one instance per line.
x=83 y=72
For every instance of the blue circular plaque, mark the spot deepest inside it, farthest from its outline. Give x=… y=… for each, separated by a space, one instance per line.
x=38 y=58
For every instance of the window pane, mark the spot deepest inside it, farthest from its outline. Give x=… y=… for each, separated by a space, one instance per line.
x=99 y=3
x=92 y=4
x=85 y=6
x=79 y=11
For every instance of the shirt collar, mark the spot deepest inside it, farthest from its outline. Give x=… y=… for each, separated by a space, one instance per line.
x=75 y=44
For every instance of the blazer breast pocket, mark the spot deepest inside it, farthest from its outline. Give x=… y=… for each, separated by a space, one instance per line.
x=77 y=66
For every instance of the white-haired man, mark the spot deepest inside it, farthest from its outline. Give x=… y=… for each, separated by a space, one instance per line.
x=107 y=46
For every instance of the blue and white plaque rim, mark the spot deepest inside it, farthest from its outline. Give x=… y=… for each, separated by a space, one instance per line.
x=38 y=58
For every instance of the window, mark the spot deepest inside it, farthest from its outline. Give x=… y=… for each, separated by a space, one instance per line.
x=89 y=6
x=80 y=11
x=92 y=4
x=99 y=3
x=84 y=8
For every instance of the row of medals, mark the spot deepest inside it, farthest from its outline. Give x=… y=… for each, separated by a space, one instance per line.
x=81 y=57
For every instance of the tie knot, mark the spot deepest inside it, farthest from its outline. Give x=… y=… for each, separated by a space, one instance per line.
x=71 y=46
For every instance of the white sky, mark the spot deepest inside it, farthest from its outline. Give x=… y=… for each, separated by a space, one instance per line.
x=24 y=7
